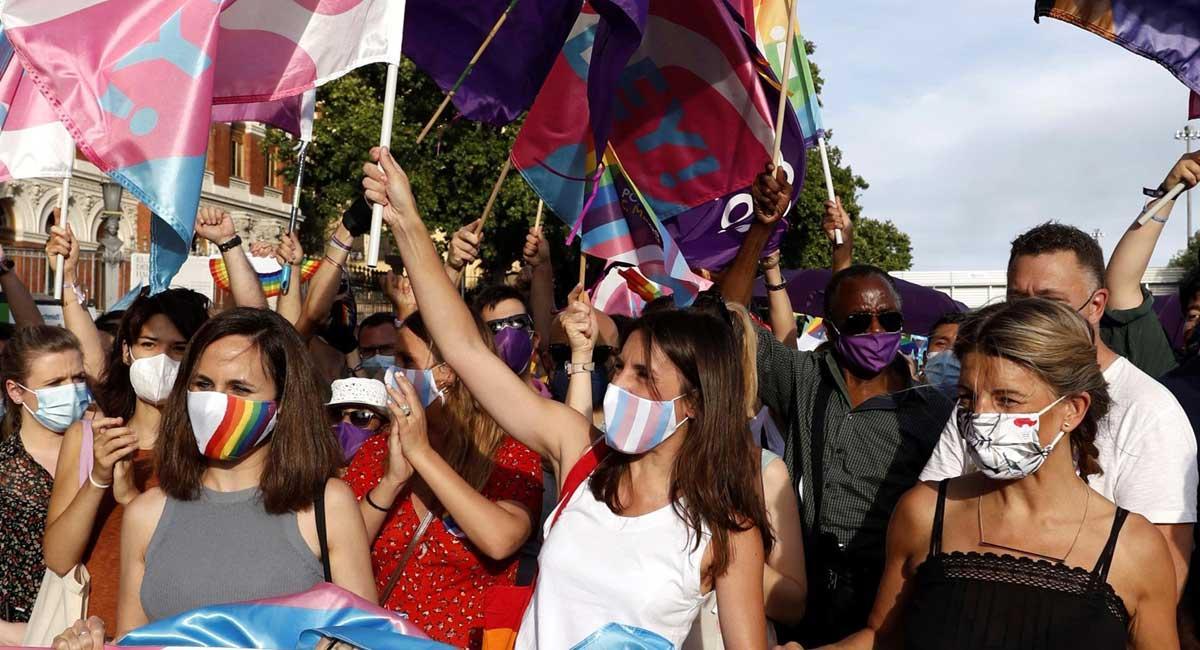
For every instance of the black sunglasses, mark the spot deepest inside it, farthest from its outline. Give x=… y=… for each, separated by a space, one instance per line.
x=561 y=354
x=860 y=323
x=361 y=418
x=520 y=321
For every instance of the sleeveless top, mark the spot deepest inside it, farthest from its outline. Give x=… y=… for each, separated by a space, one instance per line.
x=223 y=548
x=985 y=600
x=597 y=567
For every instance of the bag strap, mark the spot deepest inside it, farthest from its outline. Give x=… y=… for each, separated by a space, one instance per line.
x=579 y=473
x=408 y=552
x=322 y=533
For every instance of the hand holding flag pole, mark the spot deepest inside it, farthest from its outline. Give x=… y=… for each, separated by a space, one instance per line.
x=63 y=200
x=1158 y=204
x=385 y=141
x=286 y=281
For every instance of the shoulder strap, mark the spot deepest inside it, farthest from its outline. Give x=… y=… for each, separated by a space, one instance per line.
x=408 y=551
x=1105 y=559
x=939 y=515
x=85 y=452
x=579 y=473
x=322 y=533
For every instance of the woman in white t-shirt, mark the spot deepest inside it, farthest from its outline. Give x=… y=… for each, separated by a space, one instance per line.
x=674 y=509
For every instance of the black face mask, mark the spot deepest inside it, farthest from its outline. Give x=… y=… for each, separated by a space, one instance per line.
x=339 y=331
x=560 y=380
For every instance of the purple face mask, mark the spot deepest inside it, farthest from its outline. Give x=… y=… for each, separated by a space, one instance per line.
x=350 y=437
x=515 y=346
x=869 y=354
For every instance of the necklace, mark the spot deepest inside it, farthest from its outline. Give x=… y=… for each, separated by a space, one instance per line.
x=1087 y=499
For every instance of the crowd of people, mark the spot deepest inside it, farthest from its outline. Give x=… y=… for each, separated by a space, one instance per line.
x=1031 y=483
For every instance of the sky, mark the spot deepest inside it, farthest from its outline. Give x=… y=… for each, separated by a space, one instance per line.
x=972 y=123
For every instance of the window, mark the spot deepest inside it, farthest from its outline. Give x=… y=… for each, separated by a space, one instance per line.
x=237 y=156
x=270 y=165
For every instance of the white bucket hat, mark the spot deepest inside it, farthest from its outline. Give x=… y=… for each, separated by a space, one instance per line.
x=370 y=393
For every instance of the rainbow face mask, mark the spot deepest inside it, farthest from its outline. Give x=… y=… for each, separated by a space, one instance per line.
x=229 y=427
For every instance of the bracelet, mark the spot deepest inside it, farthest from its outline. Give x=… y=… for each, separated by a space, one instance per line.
x=93 y=482
x=374 y=505
x=1158 y=219
x=776 y=287
x=335 y=263
x=338 y=243
x=575 y=368
x=80 y=296
x=230 y=244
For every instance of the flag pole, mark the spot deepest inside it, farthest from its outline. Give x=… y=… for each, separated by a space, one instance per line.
x=1155 y=207
x=286 y=283
x=582 y=266
x=63 y=201
x=487 y=209
x=776 y=151
x=537 y=223
x=837 y=233
x=467 y=71
x=385 y=141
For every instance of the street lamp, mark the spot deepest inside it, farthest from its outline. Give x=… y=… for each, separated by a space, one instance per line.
x=1187 y=134
x=110 y=240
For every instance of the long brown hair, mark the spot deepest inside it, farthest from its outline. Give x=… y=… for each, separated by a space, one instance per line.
x=1055 y=343
x=304 y=453
x=716 y=478
x=472 y=436
x=27 y=344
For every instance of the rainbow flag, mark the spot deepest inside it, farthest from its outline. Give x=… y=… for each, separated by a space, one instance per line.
x=645 y=289
x=767 y=21
x=272 y=280
x=1164 y=31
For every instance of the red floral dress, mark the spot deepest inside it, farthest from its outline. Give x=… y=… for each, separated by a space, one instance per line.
x=442 y=587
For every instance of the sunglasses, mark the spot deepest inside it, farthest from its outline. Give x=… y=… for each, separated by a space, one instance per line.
x=561 y=354
x=361 y=418
x=520 y=321
x=860 y=323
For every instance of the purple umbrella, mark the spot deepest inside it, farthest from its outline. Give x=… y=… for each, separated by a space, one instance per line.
x=922 y=306
x=1170 y=314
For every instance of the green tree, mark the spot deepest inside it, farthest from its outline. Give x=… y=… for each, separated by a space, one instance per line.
x=1188 y=258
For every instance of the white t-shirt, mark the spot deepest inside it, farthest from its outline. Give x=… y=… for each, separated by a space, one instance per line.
x=1146 y=444
x=597 y=568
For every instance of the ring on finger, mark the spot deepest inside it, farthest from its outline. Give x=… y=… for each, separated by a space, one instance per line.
x=406 y=409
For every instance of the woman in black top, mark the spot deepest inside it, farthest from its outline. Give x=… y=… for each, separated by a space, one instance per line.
x=1023 y=554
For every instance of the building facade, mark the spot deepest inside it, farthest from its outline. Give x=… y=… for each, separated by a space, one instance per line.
x=978 y=288
x=240 y=178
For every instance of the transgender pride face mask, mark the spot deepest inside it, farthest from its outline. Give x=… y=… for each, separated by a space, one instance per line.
x=635 y=425
x=228 y=427
x=422 y=379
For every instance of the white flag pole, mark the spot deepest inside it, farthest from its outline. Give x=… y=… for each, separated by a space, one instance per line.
x=63 y=202
x=385 y=141
x=1155 y=207
x=837 y=234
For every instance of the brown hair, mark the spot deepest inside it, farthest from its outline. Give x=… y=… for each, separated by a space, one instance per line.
x=304 y=453
x=26 y=344
x=472 y=436
x=716 y=479
x=1053 y=341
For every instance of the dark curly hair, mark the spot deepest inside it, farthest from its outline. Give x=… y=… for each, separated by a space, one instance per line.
x=1054 y=342
x=1054 y=237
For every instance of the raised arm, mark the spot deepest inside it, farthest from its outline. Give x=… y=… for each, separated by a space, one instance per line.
x=783 y=319
x=20 y=302
x=290 y=305
x=323 y=288
x=1129 y=260
x=549 y=428
x=76 y=317
x=541 y=287
x=771 y=193
x=398 y=290
x=216 y=226
x=579 y=321
x=842 y=255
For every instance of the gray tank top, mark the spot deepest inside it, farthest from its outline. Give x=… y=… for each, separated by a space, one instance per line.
x=223 y=548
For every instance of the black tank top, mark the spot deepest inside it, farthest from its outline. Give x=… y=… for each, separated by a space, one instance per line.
x=996 y=602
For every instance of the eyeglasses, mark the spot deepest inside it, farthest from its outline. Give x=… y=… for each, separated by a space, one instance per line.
x=520 y=321
x=362 y=418
x=387 y=350
x=561 y=354
x=860 y=323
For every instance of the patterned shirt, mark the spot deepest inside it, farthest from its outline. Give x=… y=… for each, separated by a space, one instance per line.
x=851 y=464
x=24 y=499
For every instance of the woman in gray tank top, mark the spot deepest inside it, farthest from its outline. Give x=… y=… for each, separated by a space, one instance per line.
x=246 y=471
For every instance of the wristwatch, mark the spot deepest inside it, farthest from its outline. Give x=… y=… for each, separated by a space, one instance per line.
x=777 y=287
x=231 y=244
x=573 y=368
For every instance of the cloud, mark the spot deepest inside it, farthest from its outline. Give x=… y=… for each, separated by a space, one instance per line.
x=971 y=128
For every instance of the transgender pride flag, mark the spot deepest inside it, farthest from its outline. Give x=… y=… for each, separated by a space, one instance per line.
x=138 y=92
x=33 y=143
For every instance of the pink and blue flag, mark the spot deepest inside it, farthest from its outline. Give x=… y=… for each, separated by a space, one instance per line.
x=137 y=95
x=1164 y=31
x=33 y=143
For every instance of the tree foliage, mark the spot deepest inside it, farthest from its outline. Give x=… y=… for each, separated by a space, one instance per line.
x=1188 y=258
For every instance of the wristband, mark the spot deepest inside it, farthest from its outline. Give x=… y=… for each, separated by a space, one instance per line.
x=337 y=243
x=230 y=244
x=80 y=296
x=375 y=505
x=777 y=287
x=1155 y=193
x=575 y=368
x=335 y=263
x=93 y=482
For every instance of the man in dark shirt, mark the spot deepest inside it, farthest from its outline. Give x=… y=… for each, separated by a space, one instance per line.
x=857 y=428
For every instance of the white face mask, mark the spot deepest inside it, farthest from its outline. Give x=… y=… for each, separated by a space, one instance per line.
x=153 y=377
x=1006 y=446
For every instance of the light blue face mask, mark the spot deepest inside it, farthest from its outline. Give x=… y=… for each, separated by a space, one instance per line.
x=942 y=369
x=59 y=406
x=422 y=380
x=379 y=362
